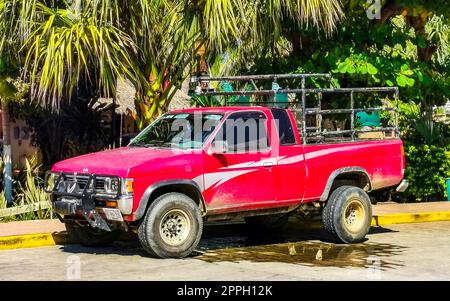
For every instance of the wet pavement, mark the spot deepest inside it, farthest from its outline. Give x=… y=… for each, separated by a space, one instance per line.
x=233 y=252
x=293 y=244
x=310 y=254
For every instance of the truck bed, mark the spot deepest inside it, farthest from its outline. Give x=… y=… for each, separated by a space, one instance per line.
x=381 y=159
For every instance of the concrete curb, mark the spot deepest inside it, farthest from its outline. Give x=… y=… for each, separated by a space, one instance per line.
x=34 y=240
x=402 y=218
x=62 y=238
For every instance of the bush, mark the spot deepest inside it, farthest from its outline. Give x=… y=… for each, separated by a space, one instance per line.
x=427 y=167
x=28 y=192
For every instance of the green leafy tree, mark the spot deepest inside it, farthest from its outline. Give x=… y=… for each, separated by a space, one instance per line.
x=408 y=47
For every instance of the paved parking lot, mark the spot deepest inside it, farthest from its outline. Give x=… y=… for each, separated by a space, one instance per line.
x=396 y=252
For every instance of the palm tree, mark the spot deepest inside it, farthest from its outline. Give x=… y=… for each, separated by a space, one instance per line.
x=65 y=42
x=59 y=44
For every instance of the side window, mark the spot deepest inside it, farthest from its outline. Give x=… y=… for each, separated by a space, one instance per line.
x=245 y=132
x=284 y=125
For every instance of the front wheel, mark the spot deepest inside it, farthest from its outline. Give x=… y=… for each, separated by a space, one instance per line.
x=348 y=214
x=172 y=226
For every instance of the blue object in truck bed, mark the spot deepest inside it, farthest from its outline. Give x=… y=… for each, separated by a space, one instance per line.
x=368 y=119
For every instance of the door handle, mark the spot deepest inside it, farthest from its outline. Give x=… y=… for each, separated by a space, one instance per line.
x=268 y=164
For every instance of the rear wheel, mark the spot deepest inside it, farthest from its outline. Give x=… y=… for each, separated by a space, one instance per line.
x=90 y=237
x=348 y=214
x=172 y=226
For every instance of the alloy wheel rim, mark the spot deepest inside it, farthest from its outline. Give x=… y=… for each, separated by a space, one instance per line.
x=174 y=227
x=354 y=216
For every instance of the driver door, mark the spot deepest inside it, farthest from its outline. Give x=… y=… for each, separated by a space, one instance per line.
x=239 y=175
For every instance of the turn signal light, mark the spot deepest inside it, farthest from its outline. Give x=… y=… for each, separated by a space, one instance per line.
x=111 y=204
x=127 y=186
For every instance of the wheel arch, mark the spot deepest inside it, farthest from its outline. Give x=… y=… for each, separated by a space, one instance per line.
x=355 y=175
x=186 y=187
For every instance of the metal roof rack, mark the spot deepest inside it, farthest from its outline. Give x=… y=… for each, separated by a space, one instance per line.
x=203 y=87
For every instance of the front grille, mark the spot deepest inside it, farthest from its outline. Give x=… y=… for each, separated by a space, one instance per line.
x=71 y=183
x=82 y=181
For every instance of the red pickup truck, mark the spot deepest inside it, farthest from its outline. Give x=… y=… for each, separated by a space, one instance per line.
x=197 y=165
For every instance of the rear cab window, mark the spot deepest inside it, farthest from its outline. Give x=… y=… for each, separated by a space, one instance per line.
x=284 y=126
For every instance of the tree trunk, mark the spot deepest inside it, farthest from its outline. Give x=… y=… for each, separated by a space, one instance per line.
x=390 y=9
x=7 y=156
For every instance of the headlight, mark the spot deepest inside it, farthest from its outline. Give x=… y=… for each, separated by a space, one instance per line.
x=111 y=185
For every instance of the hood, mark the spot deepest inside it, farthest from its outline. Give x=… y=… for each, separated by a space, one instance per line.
x=130 y=162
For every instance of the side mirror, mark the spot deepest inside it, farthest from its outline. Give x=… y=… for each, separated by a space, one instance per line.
x=218 y=148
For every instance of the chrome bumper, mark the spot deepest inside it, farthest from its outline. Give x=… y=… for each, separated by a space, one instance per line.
x=73 y=206
x=402 y=186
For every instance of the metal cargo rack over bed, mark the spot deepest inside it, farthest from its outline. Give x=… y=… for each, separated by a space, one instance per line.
x=295 y=97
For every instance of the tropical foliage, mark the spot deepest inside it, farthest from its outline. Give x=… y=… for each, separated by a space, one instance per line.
x=64 y=44
x=408 y=48
x=30 y=199
x=427 y=168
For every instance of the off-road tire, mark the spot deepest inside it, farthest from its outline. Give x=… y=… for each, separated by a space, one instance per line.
x=89 y=237
x=348 y=214
x=158 y=232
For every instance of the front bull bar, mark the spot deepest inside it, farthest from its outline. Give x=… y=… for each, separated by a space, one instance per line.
x=83 y=201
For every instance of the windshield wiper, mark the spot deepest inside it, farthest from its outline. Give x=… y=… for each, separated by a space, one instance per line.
x=156 y=143
x=171 y=144
x=146 y=144
x=138 y=144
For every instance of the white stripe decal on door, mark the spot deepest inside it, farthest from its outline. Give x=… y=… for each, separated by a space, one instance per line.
x=215 y=179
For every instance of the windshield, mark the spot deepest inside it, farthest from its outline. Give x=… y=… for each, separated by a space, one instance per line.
x=182 y=130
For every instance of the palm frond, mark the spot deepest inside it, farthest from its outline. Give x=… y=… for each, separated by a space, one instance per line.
x=67 y=47
x=66 y=42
